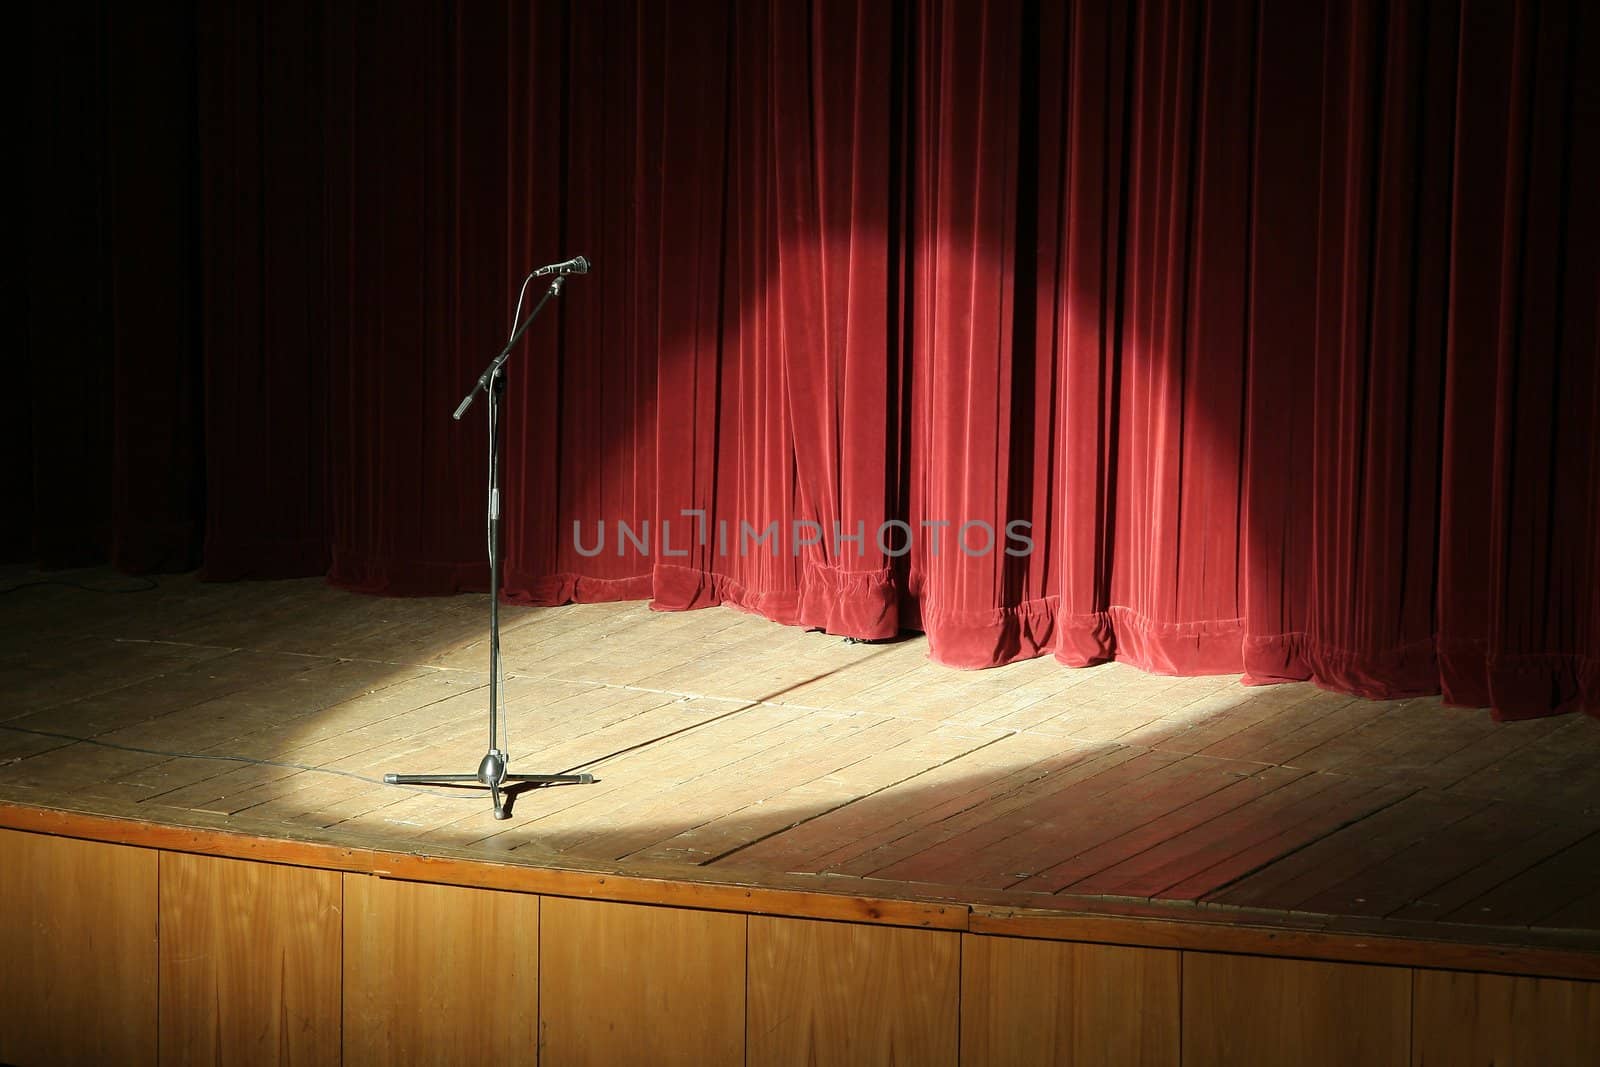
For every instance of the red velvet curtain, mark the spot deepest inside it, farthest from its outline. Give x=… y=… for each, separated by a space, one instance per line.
x=735 y=173
x=1269 y=330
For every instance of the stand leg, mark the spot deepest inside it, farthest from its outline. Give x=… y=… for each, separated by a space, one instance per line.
x=498 y=795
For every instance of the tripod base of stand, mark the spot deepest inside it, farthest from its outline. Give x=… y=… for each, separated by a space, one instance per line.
x=491 y=773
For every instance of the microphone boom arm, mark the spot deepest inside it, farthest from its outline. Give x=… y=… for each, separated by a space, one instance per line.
x=487 y=377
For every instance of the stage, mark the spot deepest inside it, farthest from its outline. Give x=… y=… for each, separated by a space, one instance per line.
x=795 y=846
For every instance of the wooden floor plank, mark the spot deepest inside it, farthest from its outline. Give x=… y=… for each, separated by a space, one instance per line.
x=1066 y=824
x=1018 y=708
x=1487 y=749
x=1386 y=723
x=152 y=698
x=91 y=666
x=1496 y=869
x=1218 y=720
x=771 y=815
x=1382 y=837
x=927 y=801
x=404 y=710
x=1547 y=888
x=1447 y=853
x=1185 y=854
x=1131 y=839
x=1561 y=769
x=708 y=774
x=1582 y=914
x=990 y=817
x=1301 y=722
x=1284 y=833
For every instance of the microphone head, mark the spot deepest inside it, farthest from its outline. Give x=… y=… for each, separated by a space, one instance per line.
x=575 y=265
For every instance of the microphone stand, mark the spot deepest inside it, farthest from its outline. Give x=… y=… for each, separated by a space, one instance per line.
x=492 y=770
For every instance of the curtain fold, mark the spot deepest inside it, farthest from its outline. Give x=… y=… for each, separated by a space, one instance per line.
x=265 y=329
x=1222 y=337
x=1343 y=474
x=1518 y=558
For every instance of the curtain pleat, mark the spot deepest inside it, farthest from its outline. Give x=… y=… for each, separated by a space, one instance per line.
x=270 y=401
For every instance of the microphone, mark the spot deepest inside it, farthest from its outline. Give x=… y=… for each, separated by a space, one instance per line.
x=575 y=265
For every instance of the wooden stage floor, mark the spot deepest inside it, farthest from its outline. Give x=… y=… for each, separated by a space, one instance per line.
x=730 y=750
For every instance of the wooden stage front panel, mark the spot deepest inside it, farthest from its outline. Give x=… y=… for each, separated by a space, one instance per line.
x=438 y=973
x=78 y=926
x=267 y=963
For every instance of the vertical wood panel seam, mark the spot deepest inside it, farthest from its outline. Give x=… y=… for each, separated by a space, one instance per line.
x=344 y=912
x=961 y=988
x=538 y=983
x=1411 y=1031
x=161 y=862
x=538 y=980
x=745 y=1057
